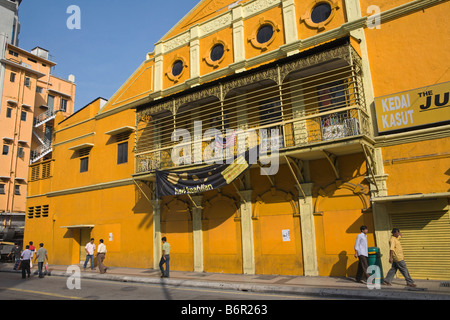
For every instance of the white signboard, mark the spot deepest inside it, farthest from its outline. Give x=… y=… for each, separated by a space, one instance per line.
x=286 y=235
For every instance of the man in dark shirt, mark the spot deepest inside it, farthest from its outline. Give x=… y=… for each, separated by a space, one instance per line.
x=16 y=251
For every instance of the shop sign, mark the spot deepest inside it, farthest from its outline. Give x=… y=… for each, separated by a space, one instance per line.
x=413 y=108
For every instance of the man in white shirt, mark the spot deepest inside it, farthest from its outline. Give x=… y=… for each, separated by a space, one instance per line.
x=361 y=252
x=26 y=258
x=101 y=253
x=90 y=249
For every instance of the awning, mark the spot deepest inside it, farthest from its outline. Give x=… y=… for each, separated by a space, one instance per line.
x=82 y=146
x=79 y=226
x=60 y=93
x=120 y=130
x=407 y=197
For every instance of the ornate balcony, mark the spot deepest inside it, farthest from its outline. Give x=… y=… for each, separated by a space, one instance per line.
x=314 y=101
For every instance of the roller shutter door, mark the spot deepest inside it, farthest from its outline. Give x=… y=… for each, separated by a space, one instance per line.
x=426 y=243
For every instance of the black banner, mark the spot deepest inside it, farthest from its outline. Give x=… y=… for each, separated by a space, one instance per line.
x=178 y=182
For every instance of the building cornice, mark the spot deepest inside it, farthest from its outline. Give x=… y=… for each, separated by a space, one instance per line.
x=412 y=136
x=93 y=187
x=22 y=67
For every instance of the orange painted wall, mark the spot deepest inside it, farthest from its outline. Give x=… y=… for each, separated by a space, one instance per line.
x=431 y=159
x=408 y=52
x=339 y=213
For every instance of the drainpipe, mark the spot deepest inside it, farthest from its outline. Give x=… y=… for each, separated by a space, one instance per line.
x=3 y=38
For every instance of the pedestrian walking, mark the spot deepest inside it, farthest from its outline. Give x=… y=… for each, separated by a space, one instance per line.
x=90 y=249
x=101 y=254
x=165 y=258
x=362 y=253
x=26 y=258
x=16 y=251
x=41 y=256
x=396 y=258
x=33 y=251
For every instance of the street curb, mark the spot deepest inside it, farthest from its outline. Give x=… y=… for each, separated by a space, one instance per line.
x=378 y=294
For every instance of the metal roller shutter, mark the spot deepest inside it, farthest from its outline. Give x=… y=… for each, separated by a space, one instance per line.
x=426 y=243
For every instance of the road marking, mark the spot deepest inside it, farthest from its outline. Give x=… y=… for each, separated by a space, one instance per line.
x=41 y=293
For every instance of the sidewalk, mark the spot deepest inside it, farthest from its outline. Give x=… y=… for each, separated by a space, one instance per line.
x=313 y=286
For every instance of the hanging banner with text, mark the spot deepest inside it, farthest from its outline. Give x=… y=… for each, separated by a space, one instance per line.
x=413 y=108
x=169 y=183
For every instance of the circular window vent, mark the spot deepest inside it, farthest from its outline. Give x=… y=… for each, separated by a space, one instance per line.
x=321 y=12
x=217 y=52
x=177 y=68
x=265 y=33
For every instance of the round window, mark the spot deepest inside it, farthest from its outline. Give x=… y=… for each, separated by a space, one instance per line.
x=265 y=33
x=321 y=12
x=177 y=68
x=217 y=52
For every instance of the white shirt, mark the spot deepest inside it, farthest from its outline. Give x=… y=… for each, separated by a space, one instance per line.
x=101 y=248
x=361 y=245
x=90 y=247
x=27 y=254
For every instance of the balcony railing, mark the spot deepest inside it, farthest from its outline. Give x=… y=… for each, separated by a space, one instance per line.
x=298 y=133
x=41 y=151
x=44 y=117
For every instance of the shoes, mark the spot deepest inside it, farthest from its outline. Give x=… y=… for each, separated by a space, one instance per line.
x=361 y=281
x=411 y=285
x=387 y=283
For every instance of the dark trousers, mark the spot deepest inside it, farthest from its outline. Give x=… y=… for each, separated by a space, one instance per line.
x=40 y=266
x=363 y=265
x=162 y=262
x=25 y=268
x=400 y=265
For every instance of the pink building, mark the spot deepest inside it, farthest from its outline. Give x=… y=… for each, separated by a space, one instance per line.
x=31 y=98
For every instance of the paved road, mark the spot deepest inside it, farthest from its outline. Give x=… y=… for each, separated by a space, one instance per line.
x=12 y=287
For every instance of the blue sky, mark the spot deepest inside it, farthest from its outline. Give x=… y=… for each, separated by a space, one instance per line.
x=113 y=41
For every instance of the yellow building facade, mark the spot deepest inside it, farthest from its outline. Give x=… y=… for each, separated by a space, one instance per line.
x=313 y=71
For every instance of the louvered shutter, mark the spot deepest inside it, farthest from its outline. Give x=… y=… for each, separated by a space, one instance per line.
x=426 y=243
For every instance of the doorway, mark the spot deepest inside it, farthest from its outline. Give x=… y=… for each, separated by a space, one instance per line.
x=85 y=237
